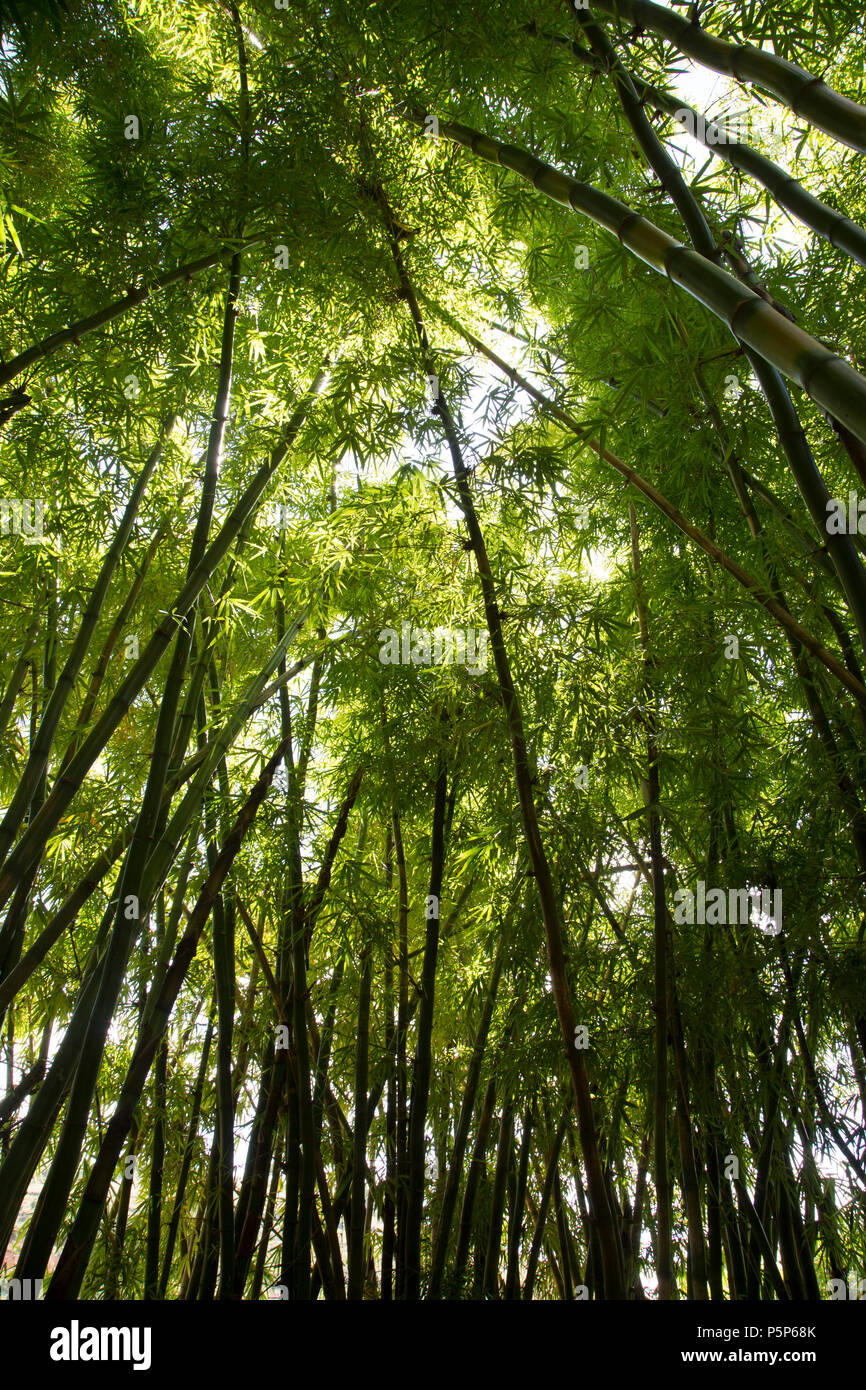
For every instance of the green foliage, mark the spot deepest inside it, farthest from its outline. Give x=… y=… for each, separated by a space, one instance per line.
x=360 y=528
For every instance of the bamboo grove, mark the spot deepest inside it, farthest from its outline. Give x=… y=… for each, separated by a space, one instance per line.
x=331 y=967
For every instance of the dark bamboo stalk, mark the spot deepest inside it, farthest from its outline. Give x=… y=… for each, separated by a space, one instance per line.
x=473 y=1178
x=490 y=1281
x=464 y=1123
x=608 y=1236
x=16 y=365
x=357 y=1263
x=517 y=1207
x=423 y=1060
x=543 y=1205
x=828 y=378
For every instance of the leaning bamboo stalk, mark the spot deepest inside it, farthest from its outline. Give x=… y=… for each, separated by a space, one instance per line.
x=40 y=751
x=31 y=1138
x=29 y=848
x=16 y=365
x=66 y=1280
x=782 y=616
x=807 y=96
x=825 y=376
x=787 y=191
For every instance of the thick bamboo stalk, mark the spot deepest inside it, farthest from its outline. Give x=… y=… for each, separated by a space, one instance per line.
x=806 y=95
x=787 y=192
x=824 y=375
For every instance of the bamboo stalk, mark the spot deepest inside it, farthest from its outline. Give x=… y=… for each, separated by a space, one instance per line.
x=39 y=351
x=787 y=192
x=661 y=990
x=490 y=1278
x=825 y=376
x=806 y=95
x=464 y=1123
x=782 y=616
x=66 y=1280
x=423 y=1061
x=543 y=1205
x=186 y=1161
x=355 y=1287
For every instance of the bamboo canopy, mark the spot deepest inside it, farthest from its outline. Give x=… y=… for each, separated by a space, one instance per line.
x=433 y=680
